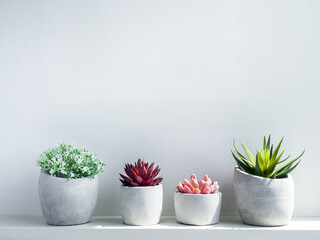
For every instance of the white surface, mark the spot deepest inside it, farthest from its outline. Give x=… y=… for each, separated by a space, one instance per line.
x=173 y=81
x=34 y=228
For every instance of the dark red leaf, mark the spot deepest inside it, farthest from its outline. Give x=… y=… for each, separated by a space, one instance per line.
x=128 y=180
x=149 y=180
x=144 y=171
x=156 y=171
x=138 y=180
x=134 y=184
x=151 y=167
x=156 y=181
x=124 y=183
x=134 y=170
x=139 y=163
x=129 y=172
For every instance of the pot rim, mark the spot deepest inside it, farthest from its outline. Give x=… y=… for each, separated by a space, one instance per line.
x=198 y=195
x=236 y=168
x=71 y=179
x=141 y=187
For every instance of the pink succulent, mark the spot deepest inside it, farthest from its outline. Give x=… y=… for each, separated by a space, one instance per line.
x=205 y=186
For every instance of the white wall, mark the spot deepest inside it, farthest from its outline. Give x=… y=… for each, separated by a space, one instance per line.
x=173 y=81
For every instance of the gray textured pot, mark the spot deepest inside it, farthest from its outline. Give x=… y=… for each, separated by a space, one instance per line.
x=141 y=206
x=197 y=209
x=67 y=202
x=263 y=201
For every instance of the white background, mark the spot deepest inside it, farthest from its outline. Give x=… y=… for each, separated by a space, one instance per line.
x=173 y=81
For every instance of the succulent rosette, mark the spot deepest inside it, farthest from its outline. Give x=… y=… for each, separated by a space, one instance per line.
x=140 y=174
x=205 y=186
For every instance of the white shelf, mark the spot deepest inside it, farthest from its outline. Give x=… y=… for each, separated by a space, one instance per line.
x=25 y=228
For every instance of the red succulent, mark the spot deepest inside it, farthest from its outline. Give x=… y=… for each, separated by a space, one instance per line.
x=140 y=174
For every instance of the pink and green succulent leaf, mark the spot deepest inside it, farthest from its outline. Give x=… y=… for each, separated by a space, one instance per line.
x=196 y=191
x=187 y=189
x=186 y=183
x=194 y=183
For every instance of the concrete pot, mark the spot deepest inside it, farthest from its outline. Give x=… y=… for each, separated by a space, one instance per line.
x=67 y=202
x=141 y=206
x=263 y=201
x=197 y=209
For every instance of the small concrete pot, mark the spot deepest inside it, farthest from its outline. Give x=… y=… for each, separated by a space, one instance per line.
x=141 y=206
x=197 y=209
x=263 y=201
x=67 y=202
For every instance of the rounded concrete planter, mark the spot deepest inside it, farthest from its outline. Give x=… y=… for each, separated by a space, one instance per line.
x=263 y=201
x=197 y=209
x=141 y=205
x=67 y=202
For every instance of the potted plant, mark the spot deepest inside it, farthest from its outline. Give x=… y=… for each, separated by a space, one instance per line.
x=264 y=191
x=68 y=188
x=197 y=203
x=141 y=193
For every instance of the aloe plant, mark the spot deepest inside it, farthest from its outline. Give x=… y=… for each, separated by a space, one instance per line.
x=265 y=163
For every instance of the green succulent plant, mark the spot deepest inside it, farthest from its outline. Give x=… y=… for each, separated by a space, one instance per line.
x=264 y=164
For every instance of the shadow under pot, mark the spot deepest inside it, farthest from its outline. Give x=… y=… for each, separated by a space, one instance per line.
x=141 y=206
x=263 y=201
x=67 y=202
x=197 y=209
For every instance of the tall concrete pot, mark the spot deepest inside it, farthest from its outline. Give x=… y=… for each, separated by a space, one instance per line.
x=263 y=201
x=197 y=209
x=141 y=206
x=67 y=202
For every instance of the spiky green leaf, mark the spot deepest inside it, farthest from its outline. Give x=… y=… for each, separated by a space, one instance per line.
x=290 y=162
x=275 y=153
x=285 y=173
x=268 y=143
x=249 y=154
x=258 y=169
x=243 y=165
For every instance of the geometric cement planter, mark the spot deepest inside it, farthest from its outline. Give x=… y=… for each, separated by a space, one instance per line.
x=263 y=201
x=141 y=206
x=67 y=202
x=197 y=209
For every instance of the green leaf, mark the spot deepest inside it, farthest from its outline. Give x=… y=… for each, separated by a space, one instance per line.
x=261 y=160
x=258 y=169
x=243 y=165
x=241 y=156
x=292 y=161
x=284 y=173
x=265 y=154
x=234 y=144
x=268 y=143
x=274 y=155
x=271 y=174
x=284 y=159
x=273 y=164
x=249 y=154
